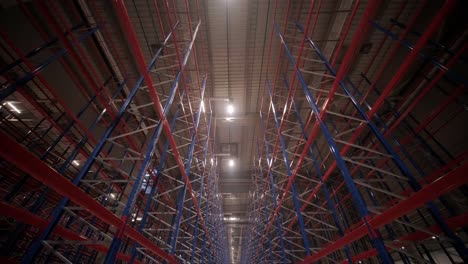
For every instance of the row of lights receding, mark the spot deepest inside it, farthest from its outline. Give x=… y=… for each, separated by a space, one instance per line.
x=230 y=111
x=231 y=218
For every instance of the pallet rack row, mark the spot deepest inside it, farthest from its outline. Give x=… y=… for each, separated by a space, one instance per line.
x=345 y=173
x=126 y=172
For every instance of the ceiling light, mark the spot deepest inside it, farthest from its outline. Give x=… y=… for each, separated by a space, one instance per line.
x=13 y=107
x=229 y=118
x=231 y=163
x=230 y=108
x=202 y=108
x=112 y=195
x=434 y=237
x=402 y=247
x=76 y=163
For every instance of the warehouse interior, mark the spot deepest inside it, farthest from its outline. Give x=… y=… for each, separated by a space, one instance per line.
x=233 y=131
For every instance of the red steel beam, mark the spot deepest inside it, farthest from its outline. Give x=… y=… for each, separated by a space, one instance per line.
x=133 y=41
x=291 y=93
x=454 y=222
x=404 y=68
x=31 y=219
x=389 y=57
x=407 y=63
x=445 y=183
x=335 y=56
x=29 y=163
x=429 y=87
x=62 y=103
x=82 y=89
x=357 y=39
x=393 y=52
x=430 y=178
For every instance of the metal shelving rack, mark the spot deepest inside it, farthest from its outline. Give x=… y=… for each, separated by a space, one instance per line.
x=130 y=174
x=345 y=174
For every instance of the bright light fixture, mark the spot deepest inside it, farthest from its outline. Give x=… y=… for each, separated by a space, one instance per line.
x=230 y=109
x=231 y=163
x=13 y=107
x=112 y=195
x=231 y=219
x=202 y=108
x=76 y=163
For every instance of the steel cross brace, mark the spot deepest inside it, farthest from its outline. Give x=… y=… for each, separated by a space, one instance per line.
x=125 y=19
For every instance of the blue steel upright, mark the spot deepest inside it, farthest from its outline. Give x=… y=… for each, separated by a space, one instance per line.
x=357 y=199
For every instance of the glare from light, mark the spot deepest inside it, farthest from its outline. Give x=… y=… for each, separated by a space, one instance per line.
x=76 y=163
x=13 y=107
x=202 y=107
x=231 y=163
x=112 y=195
x=230 y=109
x=212 y=161
x=231 y=219
x=229 y=118
x=402 y=247
x=434 y=237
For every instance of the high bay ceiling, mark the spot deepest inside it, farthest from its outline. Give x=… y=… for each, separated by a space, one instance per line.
x=239 y=145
